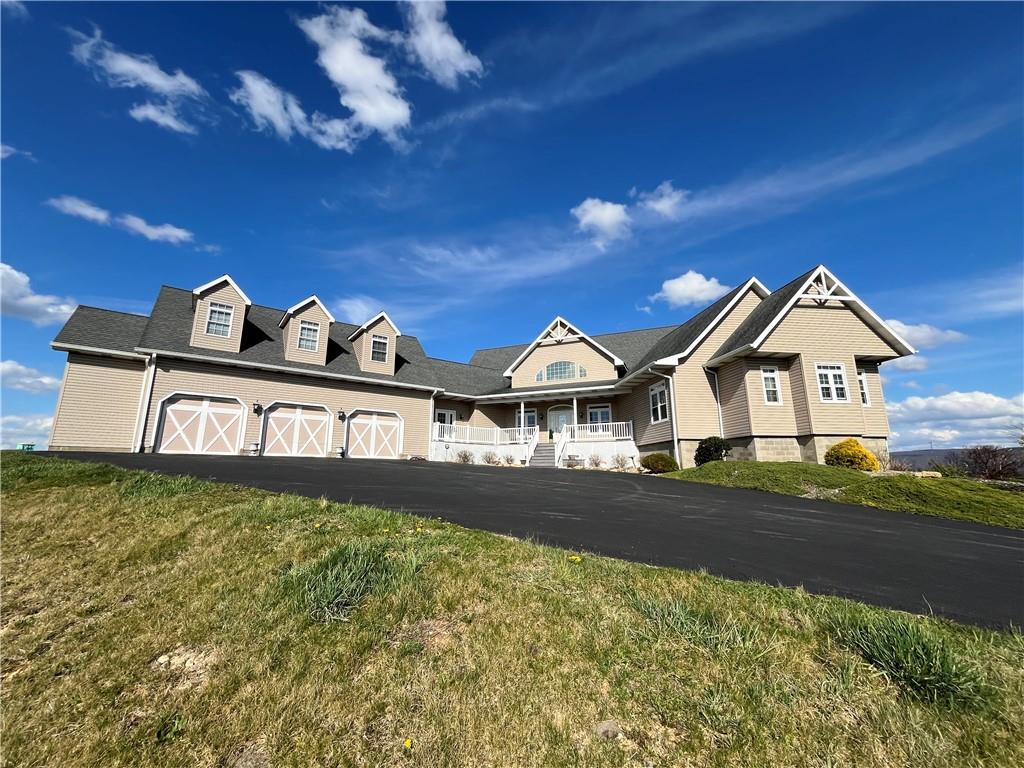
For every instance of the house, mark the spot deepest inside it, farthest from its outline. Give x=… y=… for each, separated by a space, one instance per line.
x=781 y=375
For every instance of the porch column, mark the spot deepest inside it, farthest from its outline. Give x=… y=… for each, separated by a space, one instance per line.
x=574 y=421
x=522 y=420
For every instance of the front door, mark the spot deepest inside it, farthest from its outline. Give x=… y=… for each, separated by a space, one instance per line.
x=558 y=417
x=447 y=419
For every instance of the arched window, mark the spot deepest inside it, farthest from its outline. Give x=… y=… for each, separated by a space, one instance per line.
x=540 y=375
x=583 y=372
x=562 y=369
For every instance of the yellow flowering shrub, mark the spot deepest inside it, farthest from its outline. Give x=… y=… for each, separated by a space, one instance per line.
x=850 y=453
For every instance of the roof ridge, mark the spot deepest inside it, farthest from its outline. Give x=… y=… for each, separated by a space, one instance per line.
x=112 y=311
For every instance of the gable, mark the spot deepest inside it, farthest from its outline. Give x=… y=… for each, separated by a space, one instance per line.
x=578 y=352
x=557 y=333
x=831 y=326
x=706 y=347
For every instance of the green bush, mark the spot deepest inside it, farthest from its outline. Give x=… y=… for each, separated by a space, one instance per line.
x=850 y=453
x=659 y=463
x=913 y=656
x=711 y=449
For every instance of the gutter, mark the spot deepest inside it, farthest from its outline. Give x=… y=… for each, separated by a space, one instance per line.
x=286 y=369
x=672 y=401
x=60 y=347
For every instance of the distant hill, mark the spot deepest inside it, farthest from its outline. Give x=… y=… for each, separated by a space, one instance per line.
x=920 y=459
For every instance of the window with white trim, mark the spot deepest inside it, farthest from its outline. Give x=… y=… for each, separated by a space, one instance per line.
x=540 y=375
x=583 y=372
x=832 y=383
x=560 y=369
x=218 y=319
x=659 y=403
x=770 y=384
x=531 y=417
x=862 y=382
x=309 y=335
x=379 y=348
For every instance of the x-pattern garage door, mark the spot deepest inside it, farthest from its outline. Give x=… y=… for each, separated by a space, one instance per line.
x=374 y=436
x=296 y=430
x=193 y=424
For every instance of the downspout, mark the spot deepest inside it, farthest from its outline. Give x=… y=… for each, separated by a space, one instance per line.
x=430 y=424
x=672 y=404
x=138 y=441
x=718 y=402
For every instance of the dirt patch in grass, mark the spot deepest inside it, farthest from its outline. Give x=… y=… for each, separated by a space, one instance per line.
x=186 y=668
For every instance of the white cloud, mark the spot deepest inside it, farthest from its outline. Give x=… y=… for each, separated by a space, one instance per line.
x=646 y=309
x=17 y=299
x=6 y=150
x=163 y=115
x=605 y=221
x=274 y=109
x=909 y=363
x=14 y=375
x=955 y=419
x=138 y=70
x=432 y=42
x=357 y=309
x=665 y=200
x=365 y=85
x=923 y=335
x=83 y=209
x=14 y=8
x=25 y=429
x=164 y=233
x=690 y=288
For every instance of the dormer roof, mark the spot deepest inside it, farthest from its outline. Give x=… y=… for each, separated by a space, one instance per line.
x=217 y=281
x=305 y=302
x=362 y=328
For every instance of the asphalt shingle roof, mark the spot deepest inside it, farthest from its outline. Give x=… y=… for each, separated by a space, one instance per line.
x=762 y=315
x=103 y=329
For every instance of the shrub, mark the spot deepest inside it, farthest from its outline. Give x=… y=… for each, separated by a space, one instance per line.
x=594 y=461
x=850 y=453
x=491 y=458
x=464 y=457
x=711 y=449
x=913 y=656
x=948 y=468
x=510 y=459
x=658 y=463
x=991 y=462
x=620 y=461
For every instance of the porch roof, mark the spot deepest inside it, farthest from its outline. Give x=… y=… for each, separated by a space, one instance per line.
x=551 y=391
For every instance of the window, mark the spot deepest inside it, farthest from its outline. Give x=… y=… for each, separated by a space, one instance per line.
x=770 y=381
x=379 y=349
x=218 y=320
x=531 y=417
x=599 y=417
x=862 y=382
x=583 y=372
x=540 y=375
x=659 y=403
x=309 y=335
x=563 y=369
x=832 y=383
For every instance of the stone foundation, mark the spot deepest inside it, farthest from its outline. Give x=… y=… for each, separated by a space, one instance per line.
x=807 y=448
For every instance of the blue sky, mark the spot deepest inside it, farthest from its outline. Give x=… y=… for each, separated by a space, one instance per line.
x=478 y=169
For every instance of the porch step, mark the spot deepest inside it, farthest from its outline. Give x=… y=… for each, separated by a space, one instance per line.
x=543 y=455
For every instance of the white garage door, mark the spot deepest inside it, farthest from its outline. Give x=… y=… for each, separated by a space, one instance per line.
x=296 y=430
x=198 y=424
x=374 y=436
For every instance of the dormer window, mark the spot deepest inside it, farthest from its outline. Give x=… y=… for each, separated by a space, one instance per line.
x=218 y=321
x=379 y=349
x=309 y=335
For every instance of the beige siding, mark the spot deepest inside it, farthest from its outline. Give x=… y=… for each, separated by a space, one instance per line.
x=832 y=418
x=599 y=367
x=222 y=294
x=776 y=419
x=363 y=343
x=732 y=387
x=825 y=328
x=267 y=387
x=490 y=416
x=695 y=389
x=98 y=403
x=636 y=407
x=798 y=395
x=311 y=313
x=876 y=422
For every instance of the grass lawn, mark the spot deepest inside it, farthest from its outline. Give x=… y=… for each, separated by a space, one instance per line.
x=942 y=497
x=160 y=621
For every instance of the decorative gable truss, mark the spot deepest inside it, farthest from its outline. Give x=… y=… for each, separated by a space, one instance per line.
x=560 y=331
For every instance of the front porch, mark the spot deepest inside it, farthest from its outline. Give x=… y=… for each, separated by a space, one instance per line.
x=569 y=431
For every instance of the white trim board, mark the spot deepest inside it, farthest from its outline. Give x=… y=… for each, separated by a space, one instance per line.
x=217 y=281
x=371 y=321
x=305 y=302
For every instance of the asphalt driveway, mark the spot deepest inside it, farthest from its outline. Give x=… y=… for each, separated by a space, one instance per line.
x=970 y=572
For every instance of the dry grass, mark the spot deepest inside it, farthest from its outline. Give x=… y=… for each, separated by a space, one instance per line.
x=155 y=621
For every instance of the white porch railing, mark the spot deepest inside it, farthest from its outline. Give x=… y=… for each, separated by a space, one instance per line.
x=615 y=430
x=463 y=433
